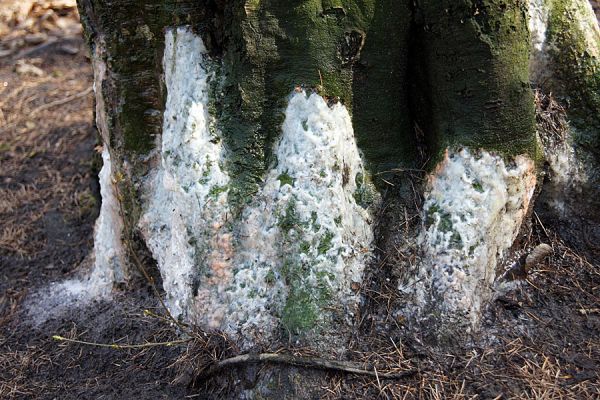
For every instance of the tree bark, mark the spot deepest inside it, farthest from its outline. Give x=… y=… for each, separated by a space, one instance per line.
x=566 y=63
x=259 y=150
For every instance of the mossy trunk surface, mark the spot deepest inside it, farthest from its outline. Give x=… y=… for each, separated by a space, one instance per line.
x=273 y=244
x=571 y=51
x=476 y=57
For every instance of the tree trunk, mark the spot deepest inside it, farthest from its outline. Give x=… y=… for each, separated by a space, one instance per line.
x=271 y=155
x=566 y=62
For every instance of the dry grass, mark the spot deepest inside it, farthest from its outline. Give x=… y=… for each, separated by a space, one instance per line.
x=551 y=119
x=40 y=172
x=539 y=342
x=15 y=372
x=43 y=368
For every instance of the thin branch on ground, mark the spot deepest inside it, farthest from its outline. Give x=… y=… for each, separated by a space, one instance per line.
x=299 y=361
x=122 y=346
x=62 y=101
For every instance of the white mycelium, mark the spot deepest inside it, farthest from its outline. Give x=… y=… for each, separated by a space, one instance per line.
x=304 y=239
x=108 y=257
x=473 y=211
x=538 y=22
x=539 y=12
x=566 y=175
x=108 y=260
x=184 y=221
x=108 y=249
x=296 y=248
x=109 y=254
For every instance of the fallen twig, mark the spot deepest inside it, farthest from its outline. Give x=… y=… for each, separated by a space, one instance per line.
x=30 y=50
x=62 y=101
x=309 y=362
x=122 y=346
x=587 y=311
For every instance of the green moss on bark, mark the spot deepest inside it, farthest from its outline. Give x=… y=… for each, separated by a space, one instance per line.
x=305 y=246
x=477 y=57
x=574 y=49
x=133 y=31
x=340 y=49
x=272 y=48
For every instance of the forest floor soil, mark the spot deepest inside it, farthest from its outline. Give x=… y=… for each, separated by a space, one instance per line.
x=540 y=340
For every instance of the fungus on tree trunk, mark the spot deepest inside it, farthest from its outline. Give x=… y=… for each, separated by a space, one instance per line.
x=256 y=141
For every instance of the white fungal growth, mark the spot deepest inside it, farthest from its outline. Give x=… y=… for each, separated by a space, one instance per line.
x=566 y=176
x=187 y=206
x=473 y=211
x=108 y=249
x=539 y=12
x=303 y=235
x=108 y=257
x=305 y=227
x=108 y=260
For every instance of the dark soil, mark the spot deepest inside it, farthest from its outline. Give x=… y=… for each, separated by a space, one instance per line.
x=541 y=340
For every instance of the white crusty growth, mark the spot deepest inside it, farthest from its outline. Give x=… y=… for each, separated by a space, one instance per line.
x=305 y=220
x=473 y=211
x=108 y=260
x=108 y=249
x=539 y=12
x=303 y=230
x=187 y=204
